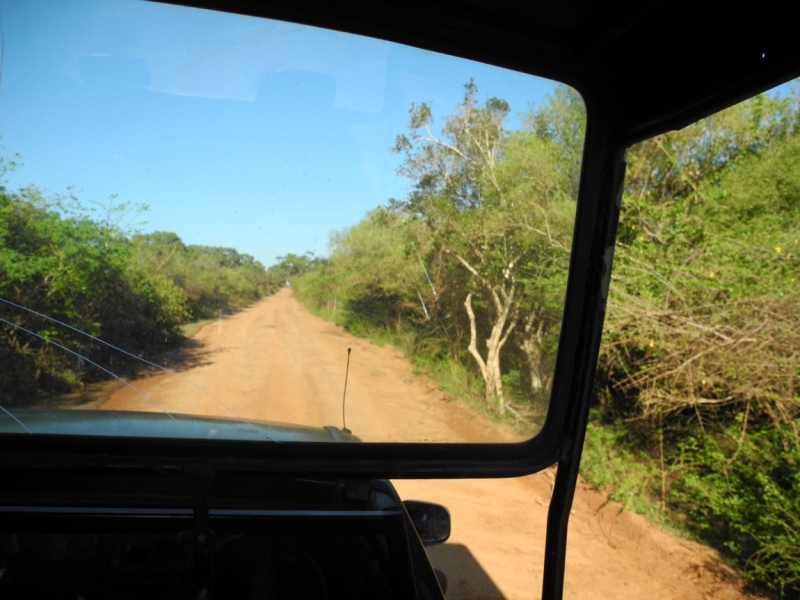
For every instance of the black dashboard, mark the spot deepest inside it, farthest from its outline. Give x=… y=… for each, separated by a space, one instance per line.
x=287 y=539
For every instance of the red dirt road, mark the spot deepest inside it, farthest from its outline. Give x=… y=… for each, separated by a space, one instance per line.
x=275 y=361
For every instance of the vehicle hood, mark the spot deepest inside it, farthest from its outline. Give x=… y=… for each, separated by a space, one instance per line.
x=159 y=425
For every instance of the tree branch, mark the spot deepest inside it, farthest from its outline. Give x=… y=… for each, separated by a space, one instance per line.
x=484 y=282
x=473 y=337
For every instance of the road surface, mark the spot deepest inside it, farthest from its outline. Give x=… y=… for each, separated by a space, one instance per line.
x=276 y=361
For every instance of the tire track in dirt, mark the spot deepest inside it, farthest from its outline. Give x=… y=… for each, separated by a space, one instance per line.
x=275 y=361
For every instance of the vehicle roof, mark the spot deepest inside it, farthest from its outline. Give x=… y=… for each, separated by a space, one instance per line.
x=656 y=65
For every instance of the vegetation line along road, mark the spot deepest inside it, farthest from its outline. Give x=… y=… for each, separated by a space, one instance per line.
x=698 y=390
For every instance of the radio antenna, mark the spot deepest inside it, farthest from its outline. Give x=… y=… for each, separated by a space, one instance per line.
x=344 y=393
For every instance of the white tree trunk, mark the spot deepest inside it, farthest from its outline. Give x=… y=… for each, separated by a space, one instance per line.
x=490 y=366
x=531 y=345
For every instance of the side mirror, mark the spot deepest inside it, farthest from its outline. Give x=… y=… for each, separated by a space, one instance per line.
x=432 y=521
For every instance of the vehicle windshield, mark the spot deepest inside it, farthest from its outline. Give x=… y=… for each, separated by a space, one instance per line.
x=214 y=215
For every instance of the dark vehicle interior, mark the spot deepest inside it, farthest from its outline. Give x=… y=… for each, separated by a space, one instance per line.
x=344 y=542
x=260 y=538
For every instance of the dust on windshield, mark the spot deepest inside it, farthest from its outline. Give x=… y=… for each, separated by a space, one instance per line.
x=257 y=222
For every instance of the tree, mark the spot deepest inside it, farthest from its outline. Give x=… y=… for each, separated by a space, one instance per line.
x=561 y=119
x=536 y=186
x=80 y=272
x=212 y=278
x=376 y=271
x=485 y=198
x=293 y=265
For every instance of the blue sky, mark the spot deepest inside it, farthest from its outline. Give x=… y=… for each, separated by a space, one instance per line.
x=253 y=134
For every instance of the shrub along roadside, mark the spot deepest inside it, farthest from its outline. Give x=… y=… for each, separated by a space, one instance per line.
x=699 y=373
x=698 y=398
x=132 y=291
x=739 y=494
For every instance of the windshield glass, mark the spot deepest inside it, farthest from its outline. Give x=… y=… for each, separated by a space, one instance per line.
x=215 y=215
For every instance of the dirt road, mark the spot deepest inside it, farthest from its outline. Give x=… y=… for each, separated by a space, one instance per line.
x=275 y=361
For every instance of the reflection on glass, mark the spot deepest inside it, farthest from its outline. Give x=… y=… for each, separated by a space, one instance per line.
x=415 y=211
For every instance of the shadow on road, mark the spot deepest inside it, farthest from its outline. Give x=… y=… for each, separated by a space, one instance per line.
x=466 y=579
x=189 y=355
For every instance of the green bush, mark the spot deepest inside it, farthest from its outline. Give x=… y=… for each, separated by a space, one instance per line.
x=609 y=463
x=742 y=494
x=133 y=293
